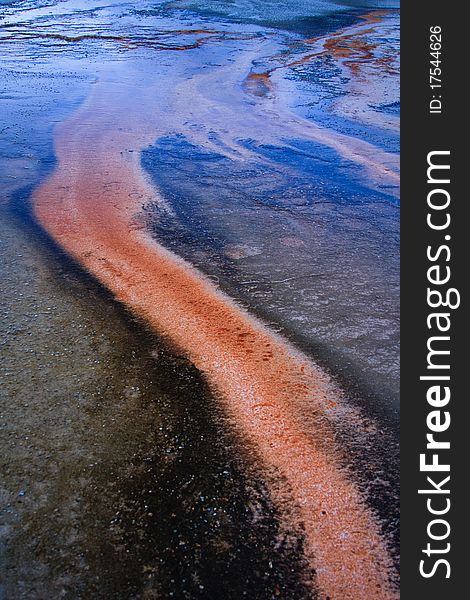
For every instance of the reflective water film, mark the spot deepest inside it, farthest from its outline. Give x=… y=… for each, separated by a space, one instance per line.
x=199 y=220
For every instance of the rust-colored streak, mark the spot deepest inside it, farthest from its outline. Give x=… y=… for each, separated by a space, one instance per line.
x=348 y=47
x=376 y=16
x=159 y=40
x=258 y=84
x=279 y=401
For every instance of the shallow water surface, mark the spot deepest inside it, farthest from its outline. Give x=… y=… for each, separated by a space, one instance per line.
x=264 y=141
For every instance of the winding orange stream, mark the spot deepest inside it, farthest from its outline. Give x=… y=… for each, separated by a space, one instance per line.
x=279 y=401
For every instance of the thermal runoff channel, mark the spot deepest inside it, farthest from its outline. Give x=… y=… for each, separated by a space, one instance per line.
x=229 y=180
